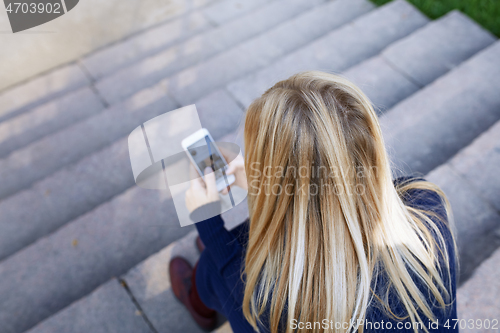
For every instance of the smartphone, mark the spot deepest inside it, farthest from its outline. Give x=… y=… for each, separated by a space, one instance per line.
x=203 y=152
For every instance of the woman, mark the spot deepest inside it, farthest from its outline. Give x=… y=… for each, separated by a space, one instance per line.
x=333 y=244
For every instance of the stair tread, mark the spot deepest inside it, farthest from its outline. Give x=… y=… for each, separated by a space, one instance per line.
x=109 y=308
x=446 y=115
x=153 y=69
x=47 y=118
x=443 y=44
x=479 y=164
x=397 y=72
x=116 y=56
x=471 y=183
x=478 y=297
x=224 y=11
x=338 y=50
x=80 y=187
x=41 y=89
x=139 y=46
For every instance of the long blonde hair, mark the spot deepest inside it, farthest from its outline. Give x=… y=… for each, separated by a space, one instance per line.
x=325 y=213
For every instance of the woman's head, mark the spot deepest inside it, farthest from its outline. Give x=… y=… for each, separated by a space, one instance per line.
x=322 y=204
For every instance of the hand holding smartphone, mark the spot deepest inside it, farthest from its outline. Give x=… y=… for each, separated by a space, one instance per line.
x=203 y=152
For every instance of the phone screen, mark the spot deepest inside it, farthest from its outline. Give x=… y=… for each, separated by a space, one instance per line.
x=205 y=154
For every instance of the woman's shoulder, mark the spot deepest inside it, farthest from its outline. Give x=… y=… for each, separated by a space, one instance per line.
x=420 y=197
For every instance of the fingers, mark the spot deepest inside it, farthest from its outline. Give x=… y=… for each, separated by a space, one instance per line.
x=230 y=169
x=196 y=180
x=210 y=183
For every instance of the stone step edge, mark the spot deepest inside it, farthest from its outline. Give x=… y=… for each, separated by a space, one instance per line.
x=86 y=76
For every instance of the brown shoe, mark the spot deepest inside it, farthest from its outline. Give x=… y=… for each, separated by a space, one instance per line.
x=180 y=278
x=199 y=244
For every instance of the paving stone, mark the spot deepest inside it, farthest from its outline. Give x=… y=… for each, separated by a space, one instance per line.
x=265 y=49
x=381 y=83
x=479 y=164
x=478 y=298
x=224 y=11
x=151 y=70
x=339 y=50
x=108 y=309
x=43 y=157
x=41 y=89
x=78 y=188
x=441 y=45
x=474 y=219
x=123 y=53
x=432 y=125
x=47 y=118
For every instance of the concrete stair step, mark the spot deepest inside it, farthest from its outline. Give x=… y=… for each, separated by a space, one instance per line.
x=41 y=89
x=151 y=70
x=477 y=299
x=114 y=306
x=337 y=51
x=444 y=44
x=47 y=118
x=225 y=11
x=63 y=79
x=108 y=309
x=384 y=77
x=432 y=125
x=146 y=43
x=21 y=168
x=149 y=284
x=72 y=107
x=415 y=61
x=80 y=187
x=70 y=144
x=470 y=179
x=185 y=86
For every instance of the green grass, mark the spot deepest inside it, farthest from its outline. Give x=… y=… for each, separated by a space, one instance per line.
x=484 y=12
